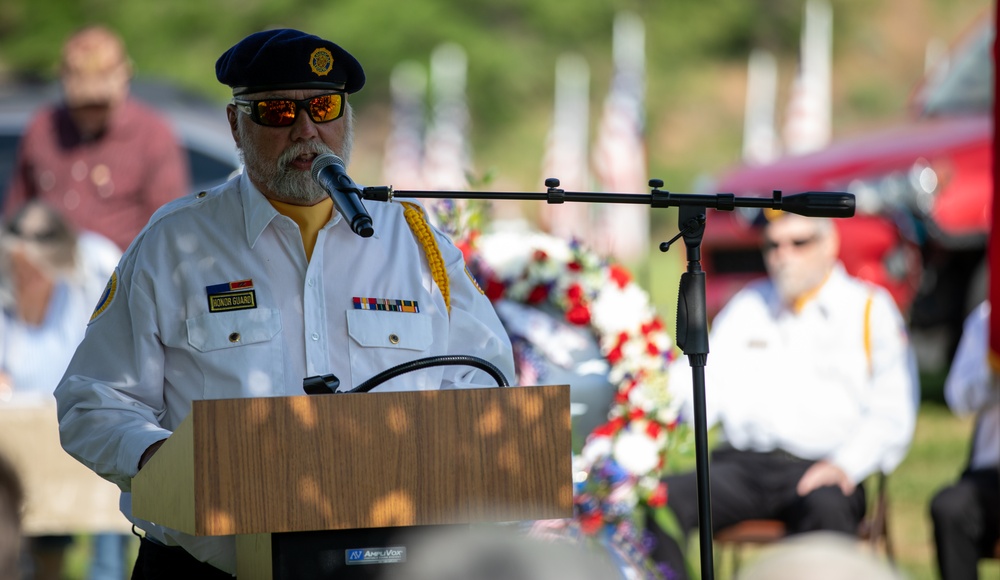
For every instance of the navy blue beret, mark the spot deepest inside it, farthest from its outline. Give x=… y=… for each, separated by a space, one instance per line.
x=288 y=59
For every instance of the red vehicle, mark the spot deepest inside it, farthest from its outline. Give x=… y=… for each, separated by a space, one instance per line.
x=924 y=192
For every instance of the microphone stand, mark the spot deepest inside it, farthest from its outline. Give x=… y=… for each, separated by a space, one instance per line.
x=692 y=320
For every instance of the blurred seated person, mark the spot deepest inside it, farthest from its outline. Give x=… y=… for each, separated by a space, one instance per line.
x=818 y=556
x=966 y=514
x=814 y=383
x=101 y=158
x=49 y=283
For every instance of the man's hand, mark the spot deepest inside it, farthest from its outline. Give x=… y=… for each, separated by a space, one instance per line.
x=149 y=452
x=821 y=474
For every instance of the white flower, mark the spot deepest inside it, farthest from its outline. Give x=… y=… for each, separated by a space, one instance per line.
x=636 y=453
x=640 y=399
x=621 y=309
x=597 y=448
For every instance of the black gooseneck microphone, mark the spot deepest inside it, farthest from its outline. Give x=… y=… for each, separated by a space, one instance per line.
x=330 y=173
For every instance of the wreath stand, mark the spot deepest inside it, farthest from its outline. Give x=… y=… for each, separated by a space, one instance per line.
x=692 y=319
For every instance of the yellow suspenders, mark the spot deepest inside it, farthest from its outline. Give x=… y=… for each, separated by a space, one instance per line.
x=868 y=330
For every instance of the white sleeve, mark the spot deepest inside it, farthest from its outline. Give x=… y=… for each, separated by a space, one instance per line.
x=967 y=388
x=111 y=397
x=883 y=438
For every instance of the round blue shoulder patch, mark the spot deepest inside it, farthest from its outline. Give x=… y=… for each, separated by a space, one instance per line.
x=106 y=297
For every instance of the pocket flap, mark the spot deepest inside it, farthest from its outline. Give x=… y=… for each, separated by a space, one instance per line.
x=382 y=329
x=218 y=330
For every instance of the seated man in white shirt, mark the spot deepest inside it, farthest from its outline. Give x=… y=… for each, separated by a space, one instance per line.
x=966 y=513
x=814 y=383
x=255 y=285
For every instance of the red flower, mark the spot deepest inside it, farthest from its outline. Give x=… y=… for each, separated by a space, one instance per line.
x=610 y=428
x=574 y=266
x=659 y=496
x=540 y=256
x=615 y=355
x=578 y=314
x=651 y=349
x=619 y=275
x=636 y=413
x=574 y=293
x=591 y=523
x=652 y=326
x=538 y=294
x=468 y=245
x=653 y=429
x=494 y=289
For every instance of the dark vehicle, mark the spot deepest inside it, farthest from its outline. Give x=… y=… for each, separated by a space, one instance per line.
x=200 y=125
x=924 y=193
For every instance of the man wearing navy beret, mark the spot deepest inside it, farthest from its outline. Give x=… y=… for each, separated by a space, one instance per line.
x=248 y=288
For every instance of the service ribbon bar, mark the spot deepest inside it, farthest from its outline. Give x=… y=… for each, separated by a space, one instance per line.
x=387 y=304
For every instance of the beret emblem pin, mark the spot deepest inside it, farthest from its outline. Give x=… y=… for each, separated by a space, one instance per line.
x=321 y=61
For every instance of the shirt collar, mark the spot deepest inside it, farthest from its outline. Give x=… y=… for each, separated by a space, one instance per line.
x=257 y=212
x=826 y=296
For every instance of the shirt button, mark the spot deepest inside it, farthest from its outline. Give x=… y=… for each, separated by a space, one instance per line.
x=394 y=338
x=315 y=336
x=312 y=281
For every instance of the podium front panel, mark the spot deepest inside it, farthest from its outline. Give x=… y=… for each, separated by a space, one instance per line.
x=374 y=460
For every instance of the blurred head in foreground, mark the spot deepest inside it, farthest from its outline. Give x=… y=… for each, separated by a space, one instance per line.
x=819 y=556
x=498 y=554
x=11 y=503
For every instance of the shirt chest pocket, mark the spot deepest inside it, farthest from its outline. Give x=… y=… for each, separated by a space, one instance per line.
x=237 y=352
x=219 y=330
x=381 y=339
x=394 y=330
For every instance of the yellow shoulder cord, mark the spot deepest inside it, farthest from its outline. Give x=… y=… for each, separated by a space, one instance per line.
x=868 y=330
x=418 y=224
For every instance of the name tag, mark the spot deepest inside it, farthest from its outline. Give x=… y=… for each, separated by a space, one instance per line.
x=232 y=301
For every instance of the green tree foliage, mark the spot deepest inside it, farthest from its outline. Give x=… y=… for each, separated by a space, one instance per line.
x=693 y=50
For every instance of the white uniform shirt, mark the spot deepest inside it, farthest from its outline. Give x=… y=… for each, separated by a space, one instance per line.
x=801 y=382
x=155 y=345
x=971 y=387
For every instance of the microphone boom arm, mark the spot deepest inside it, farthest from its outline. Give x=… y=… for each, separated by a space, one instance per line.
x=810 y=204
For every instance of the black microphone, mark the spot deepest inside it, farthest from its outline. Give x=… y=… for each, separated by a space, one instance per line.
x=329 y=172
x=819 y=204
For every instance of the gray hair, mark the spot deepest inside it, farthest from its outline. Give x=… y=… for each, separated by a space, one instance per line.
x=45 y=235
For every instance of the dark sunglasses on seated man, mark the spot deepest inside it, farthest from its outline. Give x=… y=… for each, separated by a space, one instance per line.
x=770 y=245
x=283 y=112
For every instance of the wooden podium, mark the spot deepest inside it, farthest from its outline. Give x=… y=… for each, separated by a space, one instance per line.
x=257 y=467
